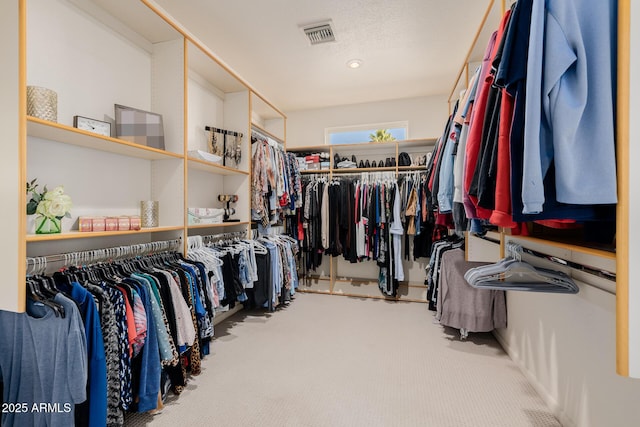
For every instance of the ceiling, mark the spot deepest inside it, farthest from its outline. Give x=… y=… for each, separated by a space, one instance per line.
x=408 y=48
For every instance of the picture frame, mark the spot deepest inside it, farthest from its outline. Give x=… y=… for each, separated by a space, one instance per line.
x=139 y=126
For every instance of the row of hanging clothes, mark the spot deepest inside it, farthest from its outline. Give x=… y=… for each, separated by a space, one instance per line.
x=107 y=337
x=135 y=327
x=275 y=182
x=260 y=273
x=470 y=296
x=369 y=216
x=456 y=304
x=518 y=148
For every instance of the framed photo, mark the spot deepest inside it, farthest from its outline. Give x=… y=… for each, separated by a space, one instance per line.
x=139 y=126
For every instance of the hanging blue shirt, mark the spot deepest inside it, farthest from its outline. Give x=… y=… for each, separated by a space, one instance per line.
x=94 y=411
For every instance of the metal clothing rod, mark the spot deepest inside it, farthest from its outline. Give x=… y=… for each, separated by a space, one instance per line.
x=575 y=265
x=581 y=267
x=37 y=265
x=315 y=176
x=488 y=239
x=223 y=131
x=380 y=174
x=264 y=136
x=224 y=236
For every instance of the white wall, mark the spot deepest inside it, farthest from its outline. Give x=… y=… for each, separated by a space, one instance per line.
x=426 y=116
x=205 y=109
x=59 y=34
x=566 y=346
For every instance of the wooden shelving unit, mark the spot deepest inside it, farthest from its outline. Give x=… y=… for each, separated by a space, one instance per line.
x=162 y=68
x=332 y=282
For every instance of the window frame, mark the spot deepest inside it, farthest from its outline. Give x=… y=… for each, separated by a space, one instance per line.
x=364 y=128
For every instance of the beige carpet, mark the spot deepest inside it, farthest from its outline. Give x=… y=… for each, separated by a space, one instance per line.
x=338 y=361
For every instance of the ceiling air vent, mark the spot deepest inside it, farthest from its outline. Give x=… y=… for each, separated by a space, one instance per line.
x=320 y=32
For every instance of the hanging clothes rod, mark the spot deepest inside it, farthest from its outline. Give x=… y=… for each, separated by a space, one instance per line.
x=259 y=134
x=315 y=176
x=37 y=265
x=211 y=238
x=223 y=131
x=608 y=275
x=198 y=241
x=488 y=239
x=371 y=174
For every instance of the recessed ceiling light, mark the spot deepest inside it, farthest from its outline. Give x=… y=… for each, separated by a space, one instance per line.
x=354 y=63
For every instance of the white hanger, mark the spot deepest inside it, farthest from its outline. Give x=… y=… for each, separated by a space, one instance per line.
x=511 y=273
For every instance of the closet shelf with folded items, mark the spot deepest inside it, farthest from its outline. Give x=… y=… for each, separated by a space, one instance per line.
x=313 y=159
x=389 y=156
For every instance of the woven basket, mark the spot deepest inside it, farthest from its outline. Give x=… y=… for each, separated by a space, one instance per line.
x=42 y=103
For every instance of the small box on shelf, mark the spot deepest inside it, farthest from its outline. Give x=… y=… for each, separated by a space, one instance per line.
x=98 y=223
x=135 y=223
x=111 y=223
x=124 y=223
x=85 y=224
x=312 y=158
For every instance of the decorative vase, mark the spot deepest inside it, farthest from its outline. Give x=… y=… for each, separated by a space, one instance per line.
x=31 y=224
x=149 y=210
x=47 y=225
x=42 y=103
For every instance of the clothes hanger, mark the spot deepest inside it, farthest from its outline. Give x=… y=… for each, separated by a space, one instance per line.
x=36 y=295
x=511 y=273
x=259 y=248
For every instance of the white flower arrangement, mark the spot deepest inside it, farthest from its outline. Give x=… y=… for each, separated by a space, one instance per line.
x=50 y=204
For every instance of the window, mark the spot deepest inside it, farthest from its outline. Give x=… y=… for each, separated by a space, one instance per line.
x=362 y=133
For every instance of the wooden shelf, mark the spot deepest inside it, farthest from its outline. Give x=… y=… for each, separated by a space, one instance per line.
x=70 y=135
x=307 y=171
x=401 y=143
x=219 y=225
x=90 y=235
x=412 y=168
x=357 y=170
x=214 y=168
x=568 y=246
x=313 y=148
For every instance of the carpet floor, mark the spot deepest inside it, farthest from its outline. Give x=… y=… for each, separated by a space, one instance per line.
x=337 y=361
